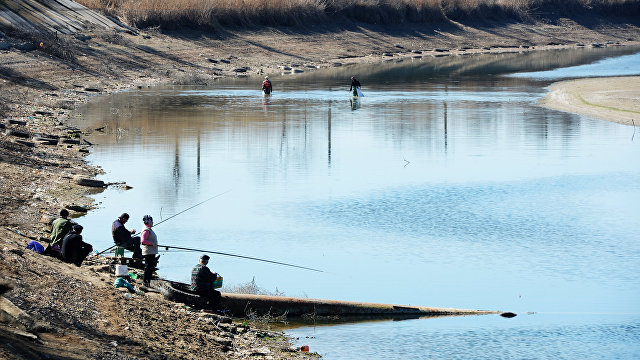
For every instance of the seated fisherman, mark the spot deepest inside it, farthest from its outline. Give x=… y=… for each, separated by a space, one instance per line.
x=122 y=237
x=202 y=282
x=74 y=250
x=60 y=228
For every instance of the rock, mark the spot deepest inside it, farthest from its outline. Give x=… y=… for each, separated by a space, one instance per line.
x=47 y=219
x=416 y=51
x=40 y=112
x=5 y=45
x=240 y=70
x=336 y=64
x=263 y=351
x=77 y=208
x=45 y=141
x=88 y=182
x=441 y=50
x=17 y=122
x=26 y=46
x=387 y=54
x=70 y=141
x=284 y=67
x=93 y=89
x=19 y=134
x=597 y=45
x=225 y=61
x=221 y=341
x=296 y=71
x=212 y=60
x=2 y=126
x=508 y=314
x=25 y=143
x=5 y=287
x=83 y=37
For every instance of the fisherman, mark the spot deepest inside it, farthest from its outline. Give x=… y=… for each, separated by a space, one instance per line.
x=123 y=237
x=149 y=249
x=355 y=85
x=202 y=282
x=60 y=228
x=74 y=250
x=266 y=86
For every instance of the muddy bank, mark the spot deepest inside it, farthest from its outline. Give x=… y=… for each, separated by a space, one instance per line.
x=76 y=313
x=612 y=99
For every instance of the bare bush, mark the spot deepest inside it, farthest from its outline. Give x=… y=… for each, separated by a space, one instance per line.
x=251 y=288
x=55 y=44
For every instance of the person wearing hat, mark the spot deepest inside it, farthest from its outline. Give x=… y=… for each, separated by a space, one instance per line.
x=202 y=282
x=149 y=242
x=74 y=250
x=355 y=85
x=266 y=86
x=122 y=236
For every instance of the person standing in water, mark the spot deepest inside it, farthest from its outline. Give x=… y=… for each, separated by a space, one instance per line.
x=267 y=88
x=149 y=242
x=355 y=85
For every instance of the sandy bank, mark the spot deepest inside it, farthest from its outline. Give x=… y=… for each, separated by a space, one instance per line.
x=614 y=99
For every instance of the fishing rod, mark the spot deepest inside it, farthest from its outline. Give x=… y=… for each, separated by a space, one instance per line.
x=238 y=256
x=172 y=216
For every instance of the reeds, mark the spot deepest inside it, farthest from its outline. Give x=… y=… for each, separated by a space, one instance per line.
x=214 y=14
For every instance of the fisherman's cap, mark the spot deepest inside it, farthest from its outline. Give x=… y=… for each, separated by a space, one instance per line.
x=266 y=77
x=205 y=257
x=77 y=228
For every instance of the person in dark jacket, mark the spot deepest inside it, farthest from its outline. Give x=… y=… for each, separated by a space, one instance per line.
x=202 y=282
x=355 y=85
x=74 y=250
x=123 y=237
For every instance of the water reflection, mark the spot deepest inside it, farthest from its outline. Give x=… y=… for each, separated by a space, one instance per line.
x=447 y=183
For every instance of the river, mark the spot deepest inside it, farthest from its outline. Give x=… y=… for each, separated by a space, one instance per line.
x=445 y=185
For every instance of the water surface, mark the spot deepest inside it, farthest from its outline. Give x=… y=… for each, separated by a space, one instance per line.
x=444 y=186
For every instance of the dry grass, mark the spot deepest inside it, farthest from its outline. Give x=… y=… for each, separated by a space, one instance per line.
x=216 y=14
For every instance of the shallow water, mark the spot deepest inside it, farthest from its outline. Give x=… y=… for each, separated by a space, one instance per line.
x=444 y=186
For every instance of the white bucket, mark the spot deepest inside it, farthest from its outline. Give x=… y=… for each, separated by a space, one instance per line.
x=122 y=270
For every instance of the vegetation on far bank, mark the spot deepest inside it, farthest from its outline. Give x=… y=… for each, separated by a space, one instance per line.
x=216 y=14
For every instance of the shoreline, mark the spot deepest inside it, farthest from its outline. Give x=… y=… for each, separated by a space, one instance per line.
x=613 y=99
x=40 y=92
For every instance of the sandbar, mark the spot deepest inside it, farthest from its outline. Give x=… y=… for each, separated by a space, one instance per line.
x=614 y=99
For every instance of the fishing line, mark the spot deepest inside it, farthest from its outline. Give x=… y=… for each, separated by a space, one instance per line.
x=171 y=217
x=238 y=256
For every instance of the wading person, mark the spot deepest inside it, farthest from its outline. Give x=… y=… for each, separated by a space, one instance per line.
x=74 y=250
x=266 y=86
x=355 y=86
x=123 y=237
x=149 y=249
x=202 y=282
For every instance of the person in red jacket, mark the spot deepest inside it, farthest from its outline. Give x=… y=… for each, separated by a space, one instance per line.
x=266 y=86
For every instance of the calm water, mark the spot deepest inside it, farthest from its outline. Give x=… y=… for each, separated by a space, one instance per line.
x=444 y=186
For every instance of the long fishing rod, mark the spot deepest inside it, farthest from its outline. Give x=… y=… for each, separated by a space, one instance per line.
x=238 y=256
x=172 y=216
